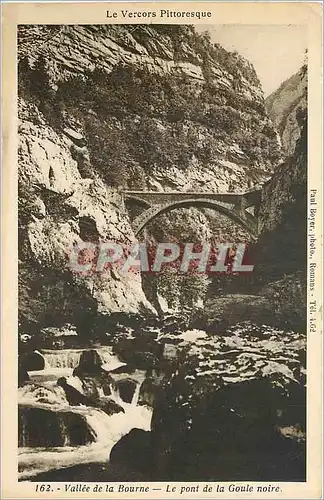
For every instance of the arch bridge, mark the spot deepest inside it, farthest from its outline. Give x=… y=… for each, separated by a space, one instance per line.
x=241 y=208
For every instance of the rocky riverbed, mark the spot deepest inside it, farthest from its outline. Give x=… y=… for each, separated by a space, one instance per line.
x=235 y=402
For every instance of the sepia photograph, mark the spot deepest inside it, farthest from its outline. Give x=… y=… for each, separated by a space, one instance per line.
x=162 y=233
x=161 y=307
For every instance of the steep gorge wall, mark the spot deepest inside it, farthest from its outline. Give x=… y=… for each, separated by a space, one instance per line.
x=281 y=250
x=105 y=107
x=282 y=215
x=59 y=209
x=286 y=107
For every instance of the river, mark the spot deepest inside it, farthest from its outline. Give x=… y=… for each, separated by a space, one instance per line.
x=98 y=430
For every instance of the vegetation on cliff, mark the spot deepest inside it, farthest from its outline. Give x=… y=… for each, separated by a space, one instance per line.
x=286 y=105
x=165 y=109
x=157 y=108
x=135 y=120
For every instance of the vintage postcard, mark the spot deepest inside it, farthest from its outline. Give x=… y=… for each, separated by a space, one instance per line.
x=161 y=250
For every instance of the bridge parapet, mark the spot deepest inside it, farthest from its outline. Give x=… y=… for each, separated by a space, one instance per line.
x=160 y=198
x=231 y=204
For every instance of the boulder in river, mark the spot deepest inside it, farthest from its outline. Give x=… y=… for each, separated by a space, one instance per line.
x=134 y=451
x=73 y=396
x=124 y=369
x=126 y=388
x=40 y=427
x=110 y=407
x=90 y=364
x=149 y=389
x=141 y=353
x=76 y=398
x=32 y=361
x=92 y=385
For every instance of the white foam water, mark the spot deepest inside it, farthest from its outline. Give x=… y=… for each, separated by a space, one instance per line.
x=70 y=358
x=42 y=392
x=106 y=430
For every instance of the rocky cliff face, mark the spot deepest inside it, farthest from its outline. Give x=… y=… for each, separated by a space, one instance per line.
x=281 y=251
x=104 y=107
x=283 y=219
x=59 y=209
x=278 y=283
x=286 y=105
x=162 y=85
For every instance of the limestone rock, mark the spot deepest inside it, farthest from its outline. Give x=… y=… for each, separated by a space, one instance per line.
x=196 y=122
x=285 y=104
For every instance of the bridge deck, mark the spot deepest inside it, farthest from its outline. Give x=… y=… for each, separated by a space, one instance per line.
x=234 y=205
x=250 y=198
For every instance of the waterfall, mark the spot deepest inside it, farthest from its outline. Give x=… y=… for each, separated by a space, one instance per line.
x=136 y=394
x=48 y=393
x=115 y=394
x=104 y=430
x=70 y=358
x=100 y=425
x=65 y=358
x=138 y=378
x=65 y=435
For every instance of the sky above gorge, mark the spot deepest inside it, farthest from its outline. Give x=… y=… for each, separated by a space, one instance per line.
x=276 y=52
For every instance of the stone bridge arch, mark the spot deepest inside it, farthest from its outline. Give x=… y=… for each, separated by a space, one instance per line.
x=235 y=207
